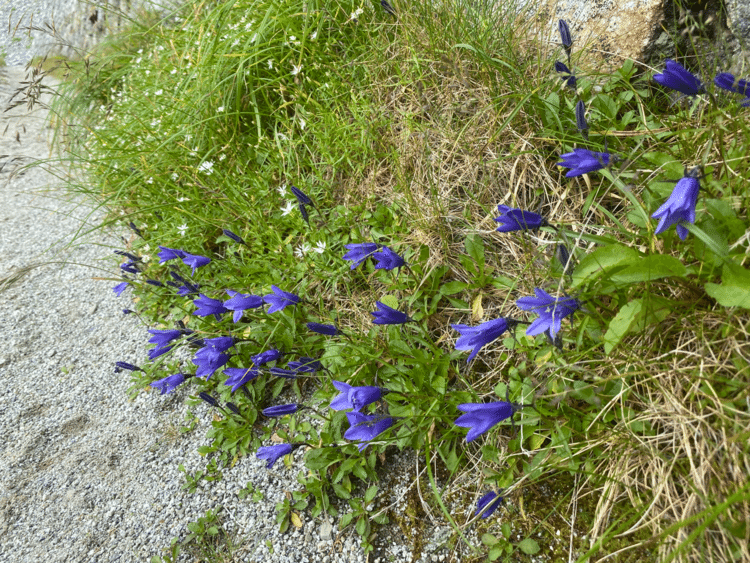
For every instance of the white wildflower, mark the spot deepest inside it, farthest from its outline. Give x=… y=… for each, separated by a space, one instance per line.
x=290 y=206
x=282 y=190
x=296 y=69
x=207 y=167
x=320 y=247
x=220 y=109
x=182 y=228
x=159 y=92
x=313 y=35
x=303 y=249
x=270 y=63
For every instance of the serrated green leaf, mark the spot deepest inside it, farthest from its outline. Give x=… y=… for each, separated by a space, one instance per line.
x=734 y=290
x=528 y=546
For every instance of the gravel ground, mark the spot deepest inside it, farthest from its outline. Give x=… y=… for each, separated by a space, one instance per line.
x=85 y=473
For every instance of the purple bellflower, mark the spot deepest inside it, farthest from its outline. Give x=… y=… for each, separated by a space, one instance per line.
x=237 y=377
x=285 y=373
x=220 y=343
x=169 y=383
x=386 y=315
x=305 y=365
x=195 y=261
x=680 y=206
x=727 y=82
x=235 y=238
x=517 y=220
x=129 y=267
x=119 y=366
x=265 y=357
x=208 y=360
x=169 y=254
x=474 y=338
x=207 y=306
x=208 y=398
x=480 y=417
x=162 y=338
x=240 y=302
x=568 y=77
x=678 y=78
x=387 y=259
x=567 y=40
x=583 y=161
x=489 y=503
x=279 y=299
x=301 y=196
x=155 y=283
x=360 y=252
x=354 y=397
x=327 y=330
x=551 y=311
x=364 y=427
x=120 y=287
x=272 y=453
x=281 y=410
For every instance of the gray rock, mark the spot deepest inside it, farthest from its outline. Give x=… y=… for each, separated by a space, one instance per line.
x=738 y=20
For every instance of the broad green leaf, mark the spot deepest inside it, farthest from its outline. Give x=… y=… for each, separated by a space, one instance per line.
x=489 y=539
x=370 y=494
x=734 y=290
x=451 y=288
x=529 y=546
x=475 y=248
x=651 y=268
x=635 y=316
x=602 y=260
x=389 y=300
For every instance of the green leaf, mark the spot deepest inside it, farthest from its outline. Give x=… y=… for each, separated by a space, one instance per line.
x=734 y=290
x=635 y=316
x=475 y=248
x=529 y=546
x=389 y=300
x=489 y=539
x=370 y=494
x=451 y=288
x=651 y=268
x=602 y=260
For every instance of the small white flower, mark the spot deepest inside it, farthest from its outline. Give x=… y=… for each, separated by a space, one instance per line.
x=303 y=249
x=150 y=180
x=222 y=156
x=292 y=38
x=182 y=228
x=282 y=190
x=320 y=247
x=313 y=35
x=159 y=92
x=220 y=109
x=207 y=167
x=173 y=71
x=181 y=199
x=288 y=209
x=175 y=177
x=270 y=63
x=146 y=247
x=302 y=123
x=253 y=38
x=145 y=258
x=296 y=69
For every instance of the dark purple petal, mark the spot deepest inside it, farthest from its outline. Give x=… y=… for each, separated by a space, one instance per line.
x=386 y=315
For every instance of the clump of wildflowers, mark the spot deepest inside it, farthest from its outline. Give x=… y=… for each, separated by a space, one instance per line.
x=551 y=311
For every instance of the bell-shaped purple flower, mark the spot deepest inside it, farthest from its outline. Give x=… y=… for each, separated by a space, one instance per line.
x=237 y=377
x=305 y=365
x=489 y=503
x=584 y=161
x=678 y=78
x=386 y=315
x=220 y=343
x=480 y=417
x=473 y=338
x=386 y=259
x=567 y=40
x=512 y=219
x=680 y=206
x=567 y=76
x=169 y=254
x=727 y=82
x=551 y=311
x=360 y=252
x=354 y=397
x=281 y=410
x=234 y=237
x=129 y=267
x=207 y=306
x=169 y=383
x=364 y=427
x=301 y=196
x=581 y=123
x=265 y=357
x=120 y=287
x=328 y=330
x=273 y=453
x=208 y=360
x=279 y=299
x=162 y=338
x=239 y=302
x=119 y=366
x=195 y=261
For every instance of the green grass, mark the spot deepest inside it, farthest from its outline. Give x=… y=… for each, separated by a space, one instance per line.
x=409 y=133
